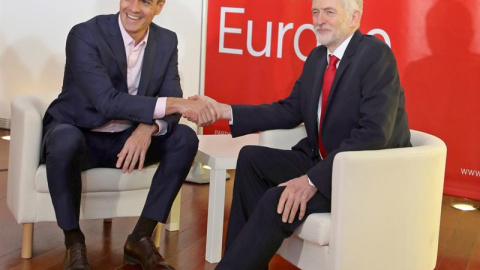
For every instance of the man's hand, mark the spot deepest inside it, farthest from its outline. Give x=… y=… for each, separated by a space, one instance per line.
x=222 y=111
x=135 y=148
x=196 y=110
x=296 y=195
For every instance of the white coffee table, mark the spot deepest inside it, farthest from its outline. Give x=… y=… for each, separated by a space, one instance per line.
x=220 y=152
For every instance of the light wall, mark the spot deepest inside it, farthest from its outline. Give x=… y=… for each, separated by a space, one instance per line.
x=33 y=34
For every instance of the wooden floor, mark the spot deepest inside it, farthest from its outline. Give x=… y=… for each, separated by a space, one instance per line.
x=459 y=246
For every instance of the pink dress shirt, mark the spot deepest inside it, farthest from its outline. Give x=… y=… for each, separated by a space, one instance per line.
x=134 y=55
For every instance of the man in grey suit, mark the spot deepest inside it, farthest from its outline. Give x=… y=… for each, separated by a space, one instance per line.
x=120 y=105
x=349 y=92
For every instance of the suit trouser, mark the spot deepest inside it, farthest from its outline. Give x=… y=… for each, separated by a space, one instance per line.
x=68 y=150
x=255 y=229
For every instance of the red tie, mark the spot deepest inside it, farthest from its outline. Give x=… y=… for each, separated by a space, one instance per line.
x=327 y=84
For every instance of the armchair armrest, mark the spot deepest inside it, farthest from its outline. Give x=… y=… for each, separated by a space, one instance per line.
x=378 y=194
x=282 y=138
x=26 y=137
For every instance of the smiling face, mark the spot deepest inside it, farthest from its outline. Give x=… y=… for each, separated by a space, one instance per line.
x=136 y=15
x=333 y=24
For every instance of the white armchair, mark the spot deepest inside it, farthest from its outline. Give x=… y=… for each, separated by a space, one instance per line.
x=385 y=208
x=106 y=192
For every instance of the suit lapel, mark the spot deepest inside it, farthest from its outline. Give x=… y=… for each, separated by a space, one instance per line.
x=148 y=60
x=118 y=48
x=320 y=66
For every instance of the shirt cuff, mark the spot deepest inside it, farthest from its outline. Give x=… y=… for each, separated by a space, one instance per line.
x=162 y=127
x=310 y=182
x=230 y=122
x=160 y=108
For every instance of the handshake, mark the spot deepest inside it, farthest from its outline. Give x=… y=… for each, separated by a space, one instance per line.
x=201 y=110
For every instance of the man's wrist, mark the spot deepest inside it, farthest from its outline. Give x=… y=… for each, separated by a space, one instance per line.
x=172 y=105
x=147 y=129
x=227 y=112
x=155 y=128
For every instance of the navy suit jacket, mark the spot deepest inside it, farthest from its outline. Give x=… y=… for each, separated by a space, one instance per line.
x=365 y=109
x=95 y=86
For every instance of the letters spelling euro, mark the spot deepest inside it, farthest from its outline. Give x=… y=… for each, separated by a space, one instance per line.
x=282 y=30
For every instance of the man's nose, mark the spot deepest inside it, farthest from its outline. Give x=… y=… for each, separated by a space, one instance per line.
x=319 y=19
x=135 y=6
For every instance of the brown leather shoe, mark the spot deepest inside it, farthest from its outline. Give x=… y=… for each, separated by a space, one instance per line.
x=145 y=253
x=76 y=258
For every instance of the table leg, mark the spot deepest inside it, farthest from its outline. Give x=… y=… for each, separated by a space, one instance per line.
x=216 y=203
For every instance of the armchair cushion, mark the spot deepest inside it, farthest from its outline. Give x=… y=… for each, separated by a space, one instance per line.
x=315 y=229
x=103 y=179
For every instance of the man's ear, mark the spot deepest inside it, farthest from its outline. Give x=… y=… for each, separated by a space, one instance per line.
x=160 y=5
x=355 y=19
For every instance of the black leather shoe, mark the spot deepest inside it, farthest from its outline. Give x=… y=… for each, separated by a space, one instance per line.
x=76 y=258
x=145 y=253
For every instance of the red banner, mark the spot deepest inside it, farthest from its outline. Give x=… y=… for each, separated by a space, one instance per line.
x=256 y=49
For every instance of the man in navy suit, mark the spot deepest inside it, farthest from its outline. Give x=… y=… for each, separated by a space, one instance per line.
x=120 y=105
x=275 y=190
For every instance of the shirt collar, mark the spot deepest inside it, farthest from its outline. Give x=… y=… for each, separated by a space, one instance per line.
x=340 y=51
x=127 y=39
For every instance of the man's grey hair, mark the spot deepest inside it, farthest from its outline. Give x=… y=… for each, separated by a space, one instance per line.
x=351 y=5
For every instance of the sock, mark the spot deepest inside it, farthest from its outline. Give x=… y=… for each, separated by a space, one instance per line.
x=144 y=228
x=73 y=236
